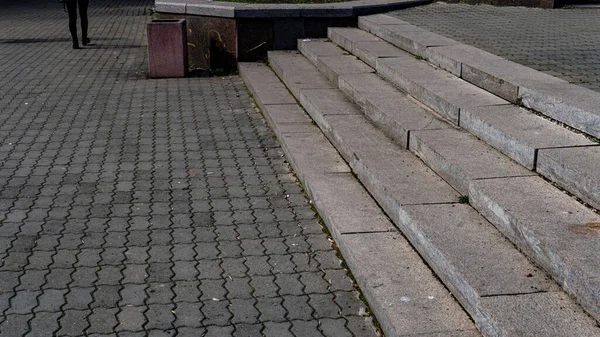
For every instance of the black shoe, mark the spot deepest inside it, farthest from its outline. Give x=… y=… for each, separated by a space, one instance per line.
x=76 y=46
x=85 y=41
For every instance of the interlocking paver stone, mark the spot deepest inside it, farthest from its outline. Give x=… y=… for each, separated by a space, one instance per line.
x=137 y=207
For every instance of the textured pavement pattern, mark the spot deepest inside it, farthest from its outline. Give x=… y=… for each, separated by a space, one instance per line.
x=561 y=42
x=137 y=207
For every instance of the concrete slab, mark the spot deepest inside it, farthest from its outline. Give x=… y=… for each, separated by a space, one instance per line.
x=434 y=87
x=286 y=114
x=346 y=37
x=415 y=41
x=556 y=231
x=312 y=153
x=459 y=244
x=571 y=104
x=262 y=82
x=574 y=169
x=517 y=132
x=382 y=19
x=286 y=63
x=346 y=206
x=387 y=31
x=312 y=49
x=321 y=102
x=451 y=58
x=370 y=51
x=359 y=87
x=540 y=314
x=392 y=111
x=404 y=294
x=334 y=66
x=459 y=157
x=396 y=177
x=174 y=7
x=502 y=77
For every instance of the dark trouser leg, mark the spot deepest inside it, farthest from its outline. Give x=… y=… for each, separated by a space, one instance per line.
x=72 y=11
x=83 y=7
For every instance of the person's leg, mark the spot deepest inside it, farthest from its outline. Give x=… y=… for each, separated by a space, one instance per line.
x=72 y=11
x=83 y=7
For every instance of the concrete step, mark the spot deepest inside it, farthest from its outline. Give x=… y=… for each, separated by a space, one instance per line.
x=405 y=303
x=444 y=149
x=507 y=297
x=571 y=104
x=510 y=129
x=450 y=153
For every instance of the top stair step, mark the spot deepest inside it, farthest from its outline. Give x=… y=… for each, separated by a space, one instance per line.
x=573 y=105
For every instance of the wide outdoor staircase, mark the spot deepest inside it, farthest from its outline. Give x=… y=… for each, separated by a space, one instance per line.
x=491 y=176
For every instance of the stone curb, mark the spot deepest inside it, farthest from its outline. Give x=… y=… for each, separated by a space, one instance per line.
x=413 y=303
x=244 y=10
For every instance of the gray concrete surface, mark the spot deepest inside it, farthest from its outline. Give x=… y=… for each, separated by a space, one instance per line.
x=391 y=177
x=137 y=207
x=392 y=111
x=405 y=303
x=459 y=157
x=575 y=169
x=552 y=228
x=518 y=133
x=560 y=42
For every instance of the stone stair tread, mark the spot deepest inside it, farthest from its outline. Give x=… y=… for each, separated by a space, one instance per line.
x=568 y=103
x=449 y=232
x=335 y=102
x=571 y=104
x=514 y=131
x=296 y=63
x=575 y=169
x=555 y=230
x=370 y=51
x=424 y=307
x=524 y=311
x=436 y=88
x=382 y=102
x=347 y=36
x=319 y=48
x=386 y=170
x=269 y=85
x=518 y=133
x=356 y=212
x=368 y=240
x=335 y=66
x=459 y=157
x=368 y=150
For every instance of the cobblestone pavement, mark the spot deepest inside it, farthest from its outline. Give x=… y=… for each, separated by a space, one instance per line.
x=137 y=207
x=562 y=42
